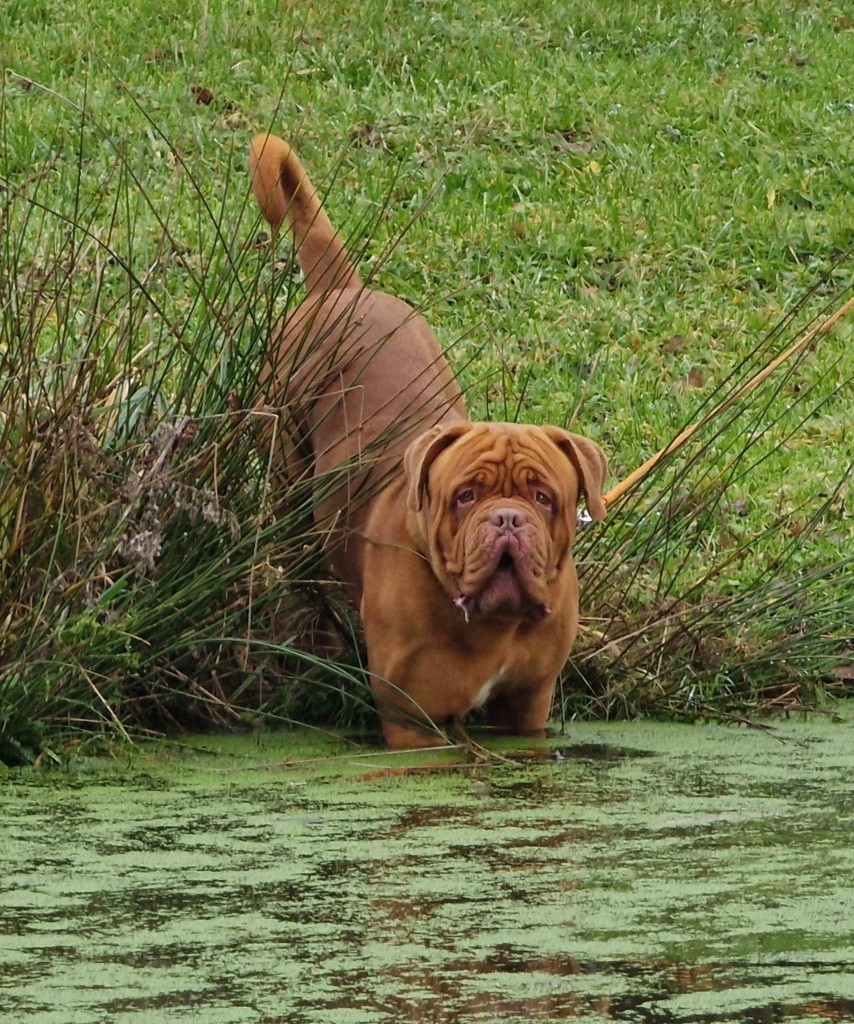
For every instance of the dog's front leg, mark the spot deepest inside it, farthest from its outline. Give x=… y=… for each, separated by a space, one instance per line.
x=413 y=703
x=522 y=712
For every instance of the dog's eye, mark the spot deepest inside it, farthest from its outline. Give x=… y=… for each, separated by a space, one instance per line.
x=465 y=497
x=544 y=499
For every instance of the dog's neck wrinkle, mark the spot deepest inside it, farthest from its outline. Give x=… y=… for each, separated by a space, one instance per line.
x=416 y=535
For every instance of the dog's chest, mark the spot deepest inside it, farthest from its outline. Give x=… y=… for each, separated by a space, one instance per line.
x=506 y=677
x=485 y=692
x=517 y=667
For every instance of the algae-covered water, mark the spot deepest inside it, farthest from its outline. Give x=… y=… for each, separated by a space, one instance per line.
x=625 y=872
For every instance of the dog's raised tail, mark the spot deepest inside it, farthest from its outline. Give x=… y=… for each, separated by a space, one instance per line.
x=284 y=192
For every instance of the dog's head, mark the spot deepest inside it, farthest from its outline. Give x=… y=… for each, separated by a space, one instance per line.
x=494 y=506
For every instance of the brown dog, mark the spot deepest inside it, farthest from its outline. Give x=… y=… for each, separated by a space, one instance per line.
x=453 y=537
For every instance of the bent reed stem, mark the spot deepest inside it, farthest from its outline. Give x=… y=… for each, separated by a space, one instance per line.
x=637 y=475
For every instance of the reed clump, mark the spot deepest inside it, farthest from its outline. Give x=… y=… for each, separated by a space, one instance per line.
x=154 y=576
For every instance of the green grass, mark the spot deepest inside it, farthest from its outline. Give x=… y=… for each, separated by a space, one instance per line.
x=625 y=200
x=554 y=258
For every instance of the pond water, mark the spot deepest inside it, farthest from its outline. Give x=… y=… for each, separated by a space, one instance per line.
x=621 y=872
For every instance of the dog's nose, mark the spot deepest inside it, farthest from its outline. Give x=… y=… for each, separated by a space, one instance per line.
x=508 y=520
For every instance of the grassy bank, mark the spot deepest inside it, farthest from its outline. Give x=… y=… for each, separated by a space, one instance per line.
x=624 y=204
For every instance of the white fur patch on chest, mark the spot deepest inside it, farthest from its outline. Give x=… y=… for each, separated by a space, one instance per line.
x=485 y=692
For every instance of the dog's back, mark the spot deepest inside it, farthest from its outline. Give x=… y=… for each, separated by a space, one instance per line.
x=358 y=371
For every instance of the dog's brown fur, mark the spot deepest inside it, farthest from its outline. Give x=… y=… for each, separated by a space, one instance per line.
x=454 y=538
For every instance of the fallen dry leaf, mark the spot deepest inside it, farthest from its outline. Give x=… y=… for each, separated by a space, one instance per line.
x=202 y=96
x=571 y=141
x=675 y=343
x=693 y=379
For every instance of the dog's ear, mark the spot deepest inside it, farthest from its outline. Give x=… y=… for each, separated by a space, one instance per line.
x=589 y=462
x=420 y=455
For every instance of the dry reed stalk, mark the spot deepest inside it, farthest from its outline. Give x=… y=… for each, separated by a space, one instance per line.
x=637 y=475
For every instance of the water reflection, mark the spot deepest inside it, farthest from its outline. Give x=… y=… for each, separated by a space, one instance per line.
x=620 y=882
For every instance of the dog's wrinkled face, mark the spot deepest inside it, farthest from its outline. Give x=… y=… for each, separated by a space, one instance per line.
x=495 y=505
